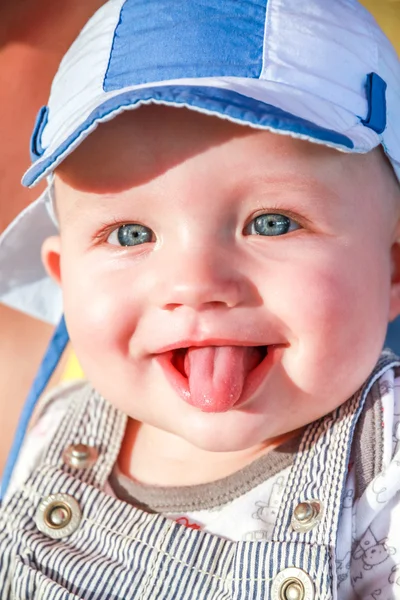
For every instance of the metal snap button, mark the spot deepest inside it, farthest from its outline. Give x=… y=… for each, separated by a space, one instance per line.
x=306 y=515
x=80 y=456
x=58 y=515
x=292 y=584
x=292 y=590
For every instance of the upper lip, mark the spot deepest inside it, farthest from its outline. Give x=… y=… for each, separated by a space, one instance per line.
x=215 y=341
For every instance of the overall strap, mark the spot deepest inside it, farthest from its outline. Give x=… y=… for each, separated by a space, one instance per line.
x=320 y=468
x=92 y=422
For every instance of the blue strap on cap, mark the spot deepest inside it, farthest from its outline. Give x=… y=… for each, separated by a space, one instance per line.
x=376 y=96
x=36 y=147
x=50 y=361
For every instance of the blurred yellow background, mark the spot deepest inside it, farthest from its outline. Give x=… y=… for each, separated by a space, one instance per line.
x=387 y=13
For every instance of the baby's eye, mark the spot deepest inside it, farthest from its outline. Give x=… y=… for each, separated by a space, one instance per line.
x=132 y=234
x=271 y=224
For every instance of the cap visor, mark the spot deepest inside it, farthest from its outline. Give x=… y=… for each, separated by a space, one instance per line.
x=216 y=101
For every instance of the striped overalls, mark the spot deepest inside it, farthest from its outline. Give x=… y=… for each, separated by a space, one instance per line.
x=63 y=538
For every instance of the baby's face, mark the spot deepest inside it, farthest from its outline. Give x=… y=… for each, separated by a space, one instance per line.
x=181 y=233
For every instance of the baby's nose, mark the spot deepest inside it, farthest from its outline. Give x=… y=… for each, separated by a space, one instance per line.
x=200 y=280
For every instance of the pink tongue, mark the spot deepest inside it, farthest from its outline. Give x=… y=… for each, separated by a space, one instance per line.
x=217 y=374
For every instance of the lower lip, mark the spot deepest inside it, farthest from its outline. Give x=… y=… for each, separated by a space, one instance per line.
x=253 y=380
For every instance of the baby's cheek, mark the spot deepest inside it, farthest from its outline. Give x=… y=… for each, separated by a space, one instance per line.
x=339 y=291
x=100 y=316
x=313 y=299
x=336 y=336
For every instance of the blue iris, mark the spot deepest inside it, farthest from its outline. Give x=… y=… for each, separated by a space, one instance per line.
x=134 y=234
x=271 y=224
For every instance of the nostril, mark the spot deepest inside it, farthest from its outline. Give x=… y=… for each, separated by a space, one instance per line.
x=171 y=306
x=214 y=304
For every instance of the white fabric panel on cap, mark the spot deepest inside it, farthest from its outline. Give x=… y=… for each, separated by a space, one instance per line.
x=336 y=53
x=81 y=74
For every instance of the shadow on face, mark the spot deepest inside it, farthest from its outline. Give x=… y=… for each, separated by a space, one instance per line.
x=140 y=145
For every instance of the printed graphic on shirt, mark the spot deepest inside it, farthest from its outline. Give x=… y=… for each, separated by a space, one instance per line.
x=343 y=568
x=394 y=577
x=371 y=551
x=266 y=512
x=369 y=557
x=385 y=484
x=185 y=521
x=380 y=489
x=348 y=499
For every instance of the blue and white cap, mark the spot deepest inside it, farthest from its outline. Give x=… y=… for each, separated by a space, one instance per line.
x=319 y=70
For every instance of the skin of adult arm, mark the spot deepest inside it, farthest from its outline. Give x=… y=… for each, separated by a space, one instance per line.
x=34 y=35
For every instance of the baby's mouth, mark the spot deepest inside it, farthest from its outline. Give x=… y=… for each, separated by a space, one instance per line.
x=181 y=356
x=215 y=378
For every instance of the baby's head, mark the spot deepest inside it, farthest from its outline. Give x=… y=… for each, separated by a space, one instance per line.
x=228 y=252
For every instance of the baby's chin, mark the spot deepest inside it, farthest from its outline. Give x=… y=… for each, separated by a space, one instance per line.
x=239 y=441
x=236 y=430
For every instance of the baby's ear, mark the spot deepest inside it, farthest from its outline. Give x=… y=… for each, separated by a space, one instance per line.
x=51 y=254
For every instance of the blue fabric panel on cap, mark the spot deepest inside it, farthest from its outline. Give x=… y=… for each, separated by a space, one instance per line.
x=376 y=95
x=40 y=123
x=210 y=100
x=50 y=361
x=158 y=40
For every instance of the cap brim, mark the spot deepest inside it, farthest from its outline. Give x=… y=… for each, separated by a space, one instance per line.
x=24 y=283
x=215 y=101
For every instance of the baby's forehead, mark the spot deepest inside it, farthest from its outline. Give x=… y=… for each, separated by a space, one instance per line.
x=164 y=135
x=140 y=148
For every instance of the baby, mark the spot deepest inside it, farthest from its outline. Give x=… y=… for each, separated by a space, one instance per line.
x=227 y=292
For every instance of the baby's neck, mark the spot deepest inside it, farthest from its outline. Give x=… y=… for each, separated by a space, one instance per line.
x=155 y=457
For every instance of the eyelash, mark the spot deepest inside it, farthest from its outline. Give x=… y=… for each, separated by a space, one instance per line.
x=276 y=210
x=106 y=229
